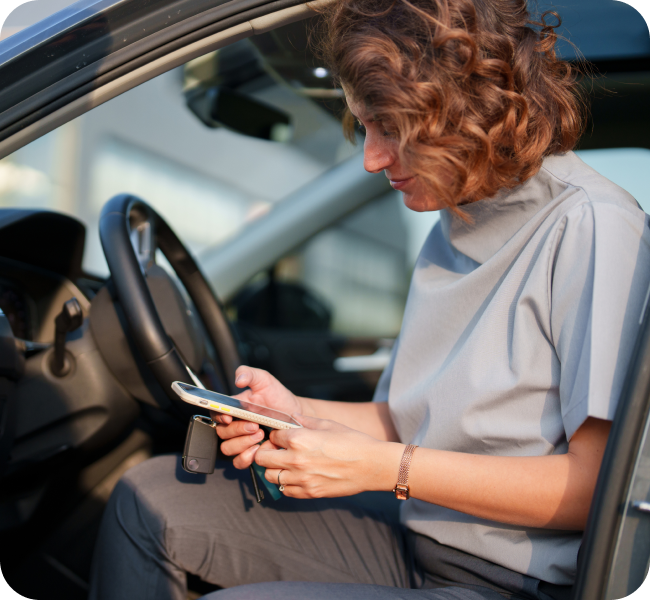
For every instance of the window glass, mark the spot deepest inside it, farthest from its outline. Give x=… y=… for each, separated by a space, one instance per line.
x=360 y=268
x=206 y=182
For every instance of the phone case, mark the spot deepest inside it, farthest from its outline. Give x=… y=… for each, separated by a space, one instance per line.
x=231 y=410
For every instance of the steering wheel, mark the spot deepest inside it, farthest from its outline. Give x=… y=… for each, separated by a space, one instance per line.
x=130 y=231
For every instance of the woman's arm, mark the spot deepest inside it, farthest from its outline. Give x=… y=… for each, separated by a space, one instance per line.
x=353 y=447
x=241 y=438
x=548 y=491
x=372 y=418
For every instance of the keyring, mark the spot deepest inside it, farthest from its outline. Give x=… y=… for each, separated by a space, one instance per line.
x=281 y=488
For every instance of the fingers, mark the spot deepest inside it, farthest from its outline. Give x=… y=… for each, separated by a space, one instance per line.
x=235 y=429
x=315 y=422
x=272 y=475
x=220 y=418
x=269 y=445
x=245 y=459
x=291 y=485
x=239 y=445
x=238 y=439
x=288 y=438
x=278 y=476
x=273 y=457
x=293 y=438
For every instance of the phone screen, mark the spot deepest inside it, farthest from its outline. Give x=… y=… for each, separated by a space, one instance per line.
x=207 y=398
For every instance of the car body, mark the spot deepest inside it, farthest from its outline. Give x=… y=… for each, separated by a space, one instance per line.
x=323 y=329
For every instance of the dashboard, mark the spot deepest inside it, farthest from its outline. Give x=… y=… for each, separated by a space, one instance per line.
x=40 y=257
x=32 y=297
x=40 y=261
x=19 y=310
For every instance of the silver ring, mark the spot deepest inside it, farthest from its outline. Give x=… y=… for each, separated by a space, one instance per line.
x=281 y=488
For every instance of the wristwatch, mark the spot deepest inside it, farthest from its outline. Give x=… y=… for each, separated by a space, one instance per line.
x=401 y=489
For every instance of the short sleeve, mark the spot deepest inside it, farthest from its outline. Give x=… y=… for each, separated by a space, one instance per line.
x=599 y=277
x=383 y=385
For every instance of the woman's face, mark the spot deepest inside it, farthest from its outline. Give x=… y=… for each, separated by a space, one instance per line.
x=380 y=153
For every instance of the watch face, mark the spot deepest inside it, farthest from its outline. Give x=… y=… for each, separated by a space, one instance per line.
x=402 y=491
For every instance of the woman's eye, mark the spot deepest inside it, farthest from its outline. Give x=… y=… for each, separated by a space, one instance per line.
x=361 y=128
x=387 y=130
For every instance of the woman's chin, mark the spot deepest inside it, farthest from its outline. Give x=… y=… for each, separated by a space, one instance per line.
x=419 y=203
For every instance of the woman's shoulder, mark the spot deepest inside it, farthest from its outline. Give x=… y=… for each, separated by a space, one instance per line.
x=596 y=225
x=585 y=189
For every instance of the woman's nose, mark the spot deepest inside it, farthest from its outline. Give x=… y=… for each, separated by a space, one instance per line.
x=377 y=154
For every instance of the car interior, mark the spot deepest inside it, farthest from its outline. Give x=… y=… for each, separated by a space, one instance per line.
x=215 y=215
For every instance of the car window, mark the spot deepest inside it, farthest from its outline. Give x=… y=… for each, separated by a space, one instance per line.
x=359 y=268
x=207 y=182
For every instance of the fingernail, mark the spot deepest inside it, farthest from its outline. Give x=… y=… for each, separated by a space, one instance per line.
x=259 y=435
x=240 y=378
x=252 y=427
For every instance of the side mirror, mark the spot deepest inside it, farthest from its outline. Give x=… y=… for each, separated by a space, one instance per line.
x=223 y=107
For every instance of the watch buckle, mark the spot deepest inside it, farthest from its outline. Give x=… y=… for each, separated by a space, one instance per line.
x=402 y=491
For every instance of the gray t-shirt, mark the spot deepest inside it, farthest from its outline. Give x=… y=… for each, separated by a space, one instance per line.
x=517 y=328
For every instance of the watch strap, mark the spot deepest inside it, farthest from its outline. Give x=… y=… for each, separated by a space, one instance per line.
x=401 y=490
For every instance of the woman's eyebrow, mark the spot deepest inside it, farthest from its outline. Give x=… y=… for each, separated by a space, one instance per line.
x=371 y=119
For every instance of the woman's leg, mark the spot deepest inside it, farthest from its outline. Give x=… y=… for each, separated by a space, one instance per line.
x=161 y=522
x=289 y=590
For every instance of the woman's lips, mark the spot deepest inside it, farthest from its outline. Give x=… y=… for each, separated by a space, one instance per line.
x=398 y=184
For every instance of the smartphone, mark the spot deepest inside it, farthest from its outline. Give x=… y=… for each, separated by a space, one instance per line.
x=240 y=409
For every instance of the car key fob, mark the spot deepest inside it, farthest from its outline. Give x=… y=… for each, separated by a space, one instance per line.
x=200 y=453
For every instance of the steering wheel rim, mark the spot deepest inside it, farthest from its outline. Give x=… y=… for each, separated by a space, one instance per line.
x=117 y=218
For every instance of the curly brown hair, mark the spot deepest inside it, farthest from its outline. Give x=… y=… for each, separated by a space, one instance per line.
x=473 y=89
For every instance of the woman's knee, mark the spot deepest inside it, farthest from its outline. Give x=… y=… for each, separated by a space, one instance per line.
x=138 y=500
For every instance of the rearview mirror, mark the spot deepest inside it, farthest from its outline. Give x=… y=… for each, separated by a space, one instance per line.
x=223 y=107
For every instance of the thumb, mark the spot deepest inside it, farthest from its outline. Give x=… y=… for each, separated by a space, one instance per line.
x=253 y=378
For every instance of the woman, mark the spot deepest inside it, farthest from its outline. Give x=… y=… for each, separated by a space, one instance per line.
x=494 y=411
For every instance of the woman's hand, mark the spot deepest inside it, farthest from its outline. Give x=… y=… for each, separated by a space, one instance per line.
x=327 y=459
x=241 y=438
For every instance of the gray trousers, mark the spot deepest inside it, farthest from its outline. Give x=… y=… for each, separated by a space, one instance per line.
x=162 y=522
